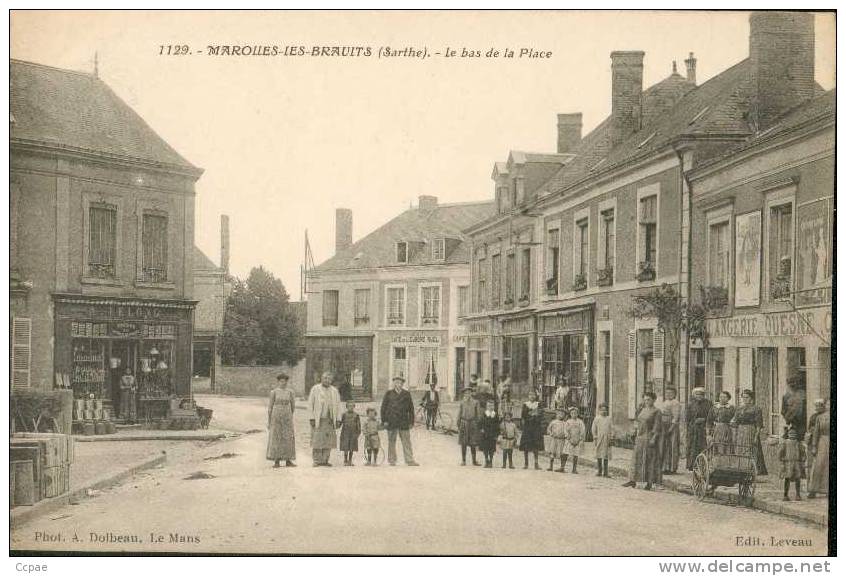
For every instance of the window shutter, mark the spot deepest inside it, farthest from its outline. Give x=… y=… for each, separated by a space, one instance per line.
x=21 y=352
x=632 y=341
x=657 y=357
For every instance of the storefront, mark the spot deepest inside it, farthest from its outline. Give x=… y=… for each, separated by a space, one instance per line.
x=566 y=354
x=99 y=340
x=349 y=358
x=517 y=353
x=419 y=358
x=478 y=350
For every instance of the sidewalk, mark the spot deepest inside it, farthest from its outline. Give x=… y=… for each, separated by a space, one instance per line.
x=136 y=433
x=768 y=489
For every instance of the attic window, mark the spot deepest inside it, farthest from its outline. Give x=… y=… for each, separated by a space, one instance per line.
x=402 y=252
x=598 y=164
x=439 y=249
x=698 y=116
x=648 y=139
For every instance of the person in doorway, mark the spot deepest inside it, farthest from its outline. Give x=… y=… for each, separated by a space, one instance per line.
x=646 y=461
x=576 y=433
x=398 y=416
x=489 y=428
x=280 y=424
x=818 y=445
x=372 y=444
x=561 y=398
x=793 y=406
x=671 y=417
x=749 y=421
x=350 y=431
x=345 y=390
x=508 y=435
x=531 y=422
x=324 y=405
x=468 y=426
x=128 y=390
x=696 y=414
x=603 y=433
x=485 y=394
x=506 y=401
x=792 y=456
x=718 y=424
x=430 y=403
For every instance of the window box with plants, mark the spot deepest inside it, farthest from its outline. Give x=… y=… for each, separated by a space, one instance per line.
x=395 y=320
x=714 y=298
x=552 y=286
x=524 y=300
x=605 y=276
x=580 y=282
x=508 y=302
x=645 y=271
x=430 y=320
x=362 y=321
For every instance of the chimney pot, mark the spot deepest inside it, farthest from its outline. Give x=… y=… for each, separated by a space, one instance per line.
x=343 y=229
x=690 y=63
x=569 y=132
x=427 y=203
x=224 y=243
x=626 y=93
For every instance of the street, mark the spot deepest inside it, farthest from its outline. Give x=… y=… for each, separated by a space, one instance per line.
x=242 y=505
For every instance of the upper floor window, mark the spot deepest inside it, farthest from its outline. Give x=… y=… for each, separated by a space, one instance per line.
x=396 y=306
x=581 y=247
x=431 y=308
x=510 y=277
x=526 y=274
x=439 y=249
x=154 y=248
x=648 y=237
x=330 y=307
x=719 y=254
x=781 y=250
x=496 y=276
x=609 y=240
x=102 y=240
x=361 y=307
x=402 y=252
x=553 y=257
x=463 y=293
x=481 y=285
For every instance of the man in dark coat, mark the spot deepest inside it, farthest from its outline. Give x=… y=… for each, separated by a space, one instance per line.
x=430 y=402
x=794 y=407
x=398 y=417
x=696 y=416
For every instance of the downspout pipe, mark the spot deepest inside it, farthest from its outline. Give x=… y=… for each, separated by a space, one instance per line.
x=684 y=180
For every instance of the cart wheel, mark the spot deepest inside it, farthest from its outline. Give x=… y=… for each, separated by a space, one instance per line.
x=700 y=477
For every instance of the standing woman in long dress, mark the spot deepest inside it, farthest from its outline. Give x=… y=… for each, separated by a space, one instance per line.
x=280 y=423
x=750 y=423
x=819 y=447
x=718 y=424
x=646 y=460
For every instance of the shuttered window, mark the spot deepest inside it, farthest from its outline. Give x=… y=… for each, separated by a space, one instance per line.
x=102 y=240
x=330 y=307
x=21 y=359
x=154 y=248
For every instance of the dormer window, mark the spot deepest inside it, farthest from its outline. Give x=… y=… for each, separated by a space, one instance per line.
x=439 y=249
x=402 y=252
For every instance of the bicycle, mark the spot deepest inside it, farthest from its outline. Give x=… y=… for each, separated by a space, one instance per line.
x=443 y=420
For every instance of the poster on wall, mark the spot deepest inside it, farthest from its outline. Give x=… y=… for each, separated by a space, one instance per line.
x=747 y=272
x=813 y=253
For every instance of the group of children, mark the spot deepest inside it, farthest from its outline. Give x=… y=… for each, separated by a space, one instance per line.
x=351 y=429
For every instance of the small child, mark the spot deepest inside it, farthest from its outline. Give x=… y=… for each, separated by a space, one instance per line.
x=508 y=432
x=603 y=433
x=489 y=424
x=372 y=444
x=557 y=432
x=350 y=431
x=792 y=456
x=575 y=442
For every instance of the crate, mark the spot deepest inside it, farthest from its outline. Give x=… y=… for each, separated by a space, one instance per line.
x=22 y=488
x=56 y=449
x=31 y=454
x=55 y=481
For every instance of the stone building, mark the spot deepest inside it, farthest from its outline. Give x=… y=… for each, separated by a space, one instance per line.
x=102 y=241
x=554 y=271
x=389 y=303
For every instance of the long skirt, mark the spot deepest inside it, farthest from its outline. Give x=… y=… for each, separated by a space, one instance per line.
x=646 y=461
x=670 y=450
x=745 y=439
x=819 y=472
x=722 y=438
x=324 y=437
x=280 y=436
x=468 y=432
x=696 y=441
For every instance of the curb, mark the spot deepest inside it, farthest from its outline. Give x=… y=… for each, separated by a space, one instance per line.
x=23 y=514
x=140 y=437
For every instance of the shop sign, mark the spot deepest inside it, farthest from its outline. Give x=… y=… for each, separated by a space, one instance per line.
x=124 y=329
x=477 y=326
x=779 y=324
x=573 y=322
x=518 y=325
x=813 y=253
x=412 y=339
x=119 y=311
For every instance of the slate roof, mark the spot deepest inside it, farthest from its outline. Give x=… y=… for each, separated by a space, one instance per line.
x=378 y=249
x=78 y=111
x=203 y=262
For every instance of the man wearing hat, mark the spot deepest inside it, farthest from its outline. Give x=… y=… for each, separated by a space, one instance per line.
x=398 y=416
x=696 y=415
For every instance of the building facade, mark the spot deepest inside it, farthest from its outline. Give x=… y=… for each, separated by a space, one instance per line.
x=554 y=272
x=388 y=305
x=102 y=227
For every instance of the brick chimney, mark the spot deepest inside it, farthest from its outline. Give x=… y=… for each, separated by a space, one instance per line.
x=690 y=63
x=626 y=93
x=343 y=229
x=427 y=203
x=224 y=243
x=781 y=54
x=569 y=132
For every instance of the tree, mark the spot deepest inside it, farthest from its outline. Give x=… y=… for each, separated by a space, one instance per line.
x=260 y=325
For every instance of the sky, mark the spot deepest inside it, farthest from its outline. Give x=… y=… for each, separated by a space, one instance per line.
x=284 y=141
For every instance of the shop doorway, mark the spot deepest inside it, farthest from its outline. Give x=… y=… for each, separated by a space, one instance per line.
x=123 y=355
x=460 y=359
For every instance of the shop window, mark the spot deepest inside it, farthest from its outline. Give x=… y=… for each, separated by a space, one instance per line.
x=21 y=352
x=553 y=360
x=510 y=278
x=361 y=305
x=605 y=274
x=402 y=252
x=88 y=372
x=399 y=363
x=525 y=274
x=716 y=372
x=439 y=249
x=431 y=298
x=607 y=366
x=719 y=254
x=647 y=237
x=482 y=285
x=580 y=256
x=553 y=255
x=781 y=250
x=102 y=240
x=154 y=248
x=496 y=277
x=330 y=307
x=765 y=369
x=519 y=367
x=506 y=356
x=463 y=300
x=396 y=306
x=576 y=361
x=698 y=367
